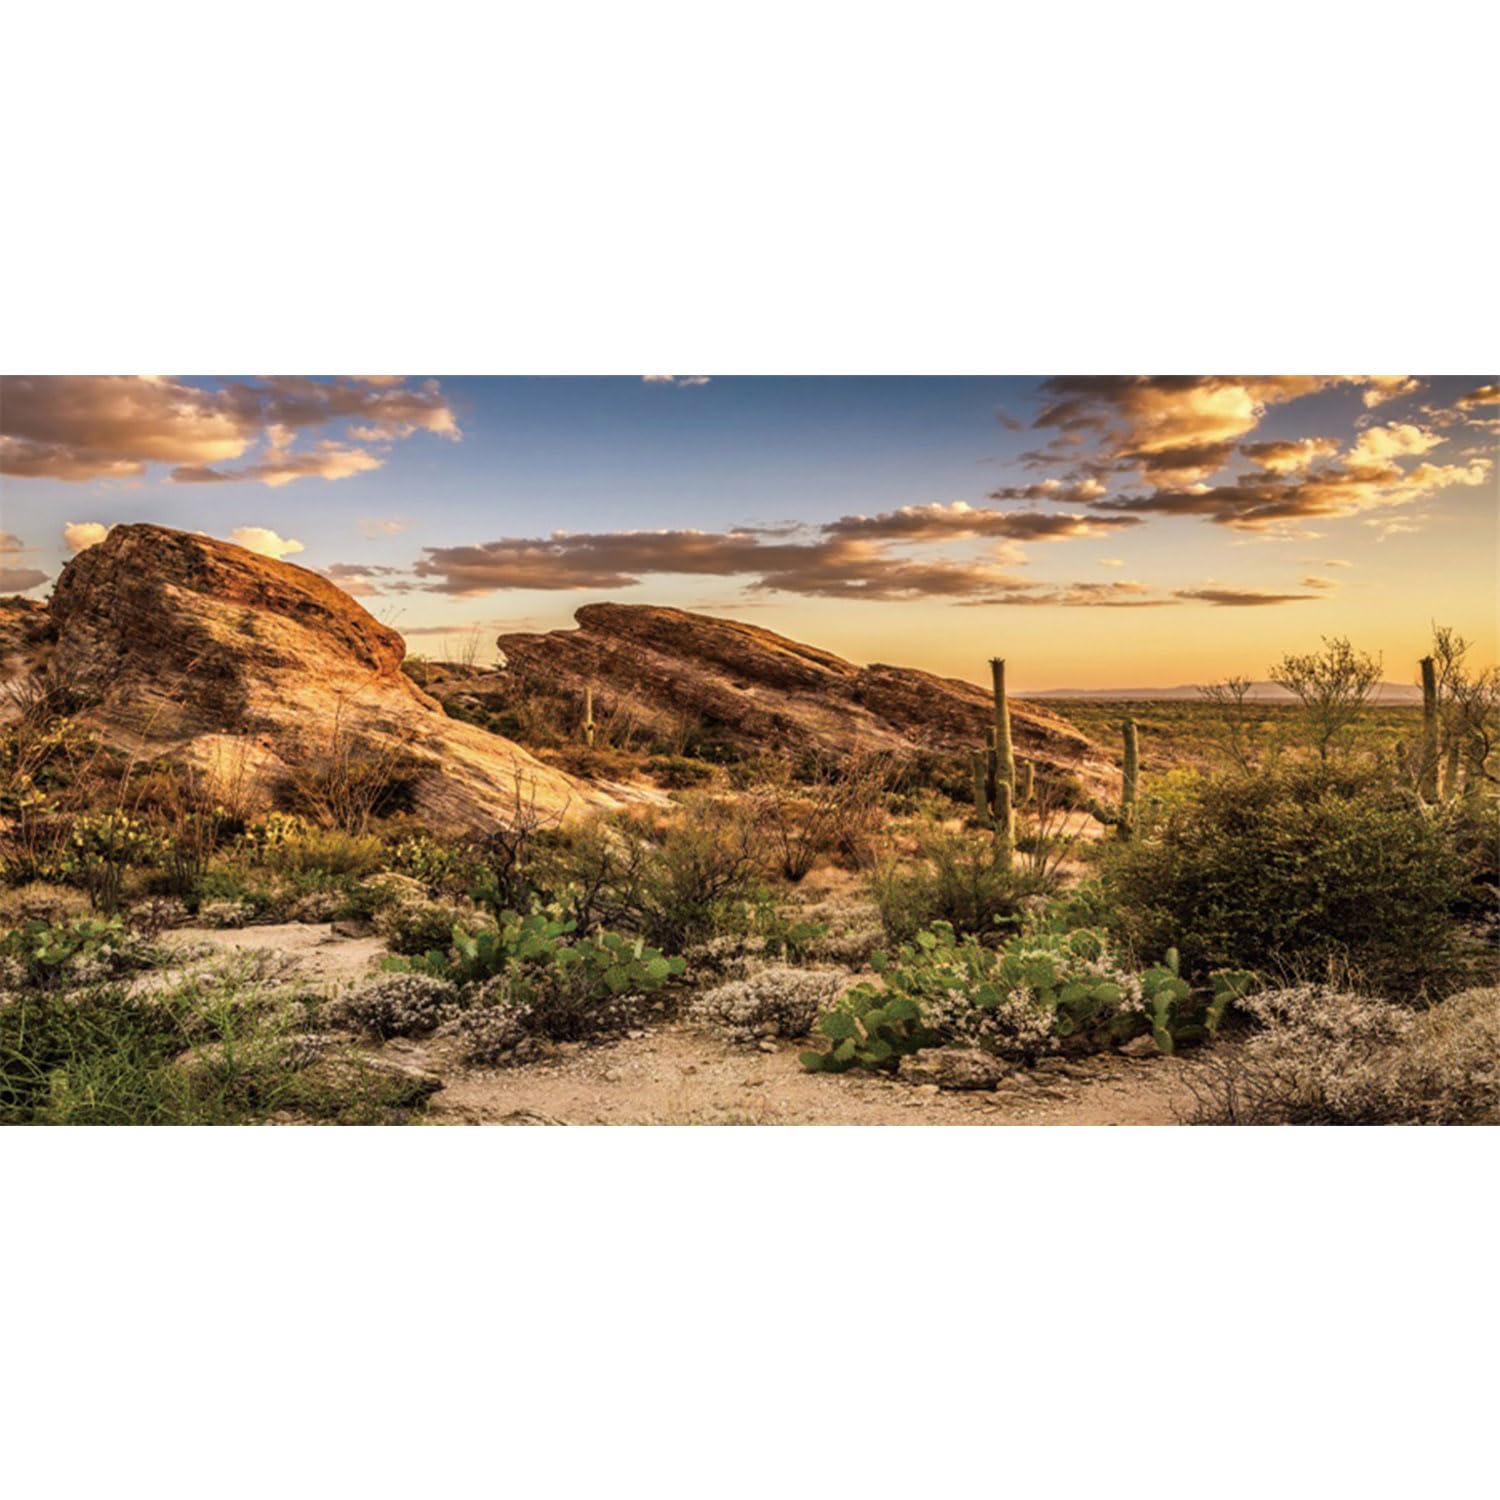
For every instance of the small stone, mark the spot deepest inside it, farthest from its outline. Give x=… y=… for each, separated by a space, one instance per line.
x=928 y=1088
x=613 y=1075
x=353 y=927
x=1141 y=1046
x=767 y=1046
x=953 y=1068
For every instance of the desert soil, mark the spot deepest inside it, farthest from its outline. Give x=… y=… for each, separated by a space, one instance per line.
x=678 y=1074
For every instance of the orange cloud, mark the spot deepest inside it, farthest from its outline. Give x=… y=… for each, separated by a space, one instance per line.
x=84 y=427
x=1289 y=457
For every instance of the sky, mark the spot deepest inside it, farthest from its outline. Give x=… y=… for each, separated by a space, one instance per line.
x=1097 y=531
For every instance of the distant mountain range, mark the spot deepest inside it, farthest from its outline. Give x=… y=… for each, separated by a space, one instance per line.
x=1260 y=692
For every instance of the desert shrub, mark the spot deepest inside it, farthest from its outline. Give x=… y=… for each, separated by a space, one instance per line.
x=774 y=1001
x=43 y=954
x=340 y=781
x=418 y=927
x=679 y=772
x=517 y=1014
x=327 y=852
x=827 y=804
x=101 y=848
x=1327 y=1057
x=435 y=863
x=967 y=881
x=1297 y=869
x=1038 y=994
x=397 y=1005
x=679 y=882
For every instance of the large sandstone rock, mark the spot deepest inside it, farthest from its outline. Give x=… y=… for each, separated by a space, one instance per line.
x=183 y=646
x=759 y=689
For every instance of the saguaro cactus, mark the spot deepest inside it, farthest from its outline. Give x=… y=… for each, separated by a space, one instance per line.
x=1428 y=777
x=1000 y=787
x=588 y=716
x=1122 y=817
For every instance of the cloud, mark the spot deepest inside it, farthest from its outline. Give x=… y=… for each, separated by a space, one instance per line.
x=362 y=580
x=85 y=427
x=1377 y=446
x=841 y=564
x=1318 y=583
x=1484 y=395
x=1238 y=598
x=1383 y=388
x=1177 y=428
x=1289 y=457
x=378 y=526
x=77 y=535
x=678 y=380
x=264 y=541
x=10 y=542
x=1260 y=501
x=1111 y=562
x=921 y=523
x=329 y=460
x=19 y=580
x=1071 y=492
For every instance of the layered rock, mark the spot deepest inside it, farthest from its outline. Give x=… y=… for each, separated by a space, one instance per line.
x=183 y=646
x=757 y=689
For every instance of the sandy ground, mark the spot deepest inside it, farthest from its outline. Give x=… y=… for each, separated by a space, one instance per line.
x=678 y=1074
x=317 y=954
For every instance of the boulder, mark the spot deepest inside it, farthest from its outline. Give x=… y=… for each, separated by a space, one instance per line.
x=755 y=689
x=186 y=648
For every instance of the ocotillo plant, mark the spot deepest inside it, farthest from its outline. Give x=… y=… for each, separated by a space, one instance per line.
x=999 y=788
x=1122 y=818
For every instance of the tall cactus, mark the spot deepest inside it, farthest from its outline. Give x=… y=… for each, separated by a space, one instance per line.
x=1428 y=775
x=1000 y=787
x=1122 y=817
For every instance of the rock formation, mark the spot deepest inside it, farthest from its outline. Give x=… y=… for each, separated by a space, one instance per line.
x=756 y=689
x=181 y=646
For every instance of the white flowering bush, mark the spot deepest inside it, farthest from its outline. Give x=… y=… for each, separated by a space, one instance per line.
x=398 y=1005
x=1323 y=1056
x=773 y=1001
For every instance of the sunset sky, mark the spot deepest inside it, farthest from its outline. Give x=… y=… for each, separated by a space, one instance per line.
x=1097 y=531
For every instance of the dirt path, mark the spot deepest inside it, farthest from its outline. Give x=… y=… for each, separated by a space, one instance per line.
x=313 y=950
x=677 y=1075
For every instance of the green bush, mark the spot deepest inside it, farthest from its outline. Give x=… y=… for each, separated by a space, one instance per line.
x=965 y=880
x=1294 y=869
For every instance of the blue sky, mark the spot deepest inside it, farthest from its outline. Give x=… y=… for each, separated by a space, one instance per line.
x=1110 y=533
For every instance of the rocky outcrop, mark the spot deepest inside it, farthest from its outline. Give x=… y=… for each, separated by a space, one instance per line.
x=182 y=646
x=757 y=689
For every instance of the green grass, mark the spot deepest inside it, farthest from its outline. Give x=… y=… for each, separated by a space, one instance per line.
x=212 y=1050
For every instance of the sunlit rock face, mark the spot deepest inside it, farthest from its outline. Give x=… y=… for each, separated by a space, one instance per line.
x=760 y=690
x=186 y=647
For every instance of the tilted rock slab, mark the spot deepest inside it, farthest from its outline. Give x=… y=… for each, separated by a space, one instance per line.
x=765 y=691
x=187 y=647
